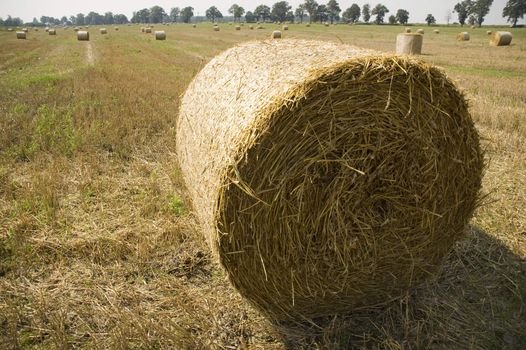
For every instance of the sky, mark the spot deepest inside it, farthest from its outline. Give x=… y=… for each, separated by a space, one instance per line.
x=27 y=9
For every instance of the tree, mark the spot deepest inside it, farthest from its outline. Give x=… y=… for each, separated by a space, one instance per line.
x=300 y=12
x=322 y=14
x=472 y=20
x=174 y=13
x=514 y=10
x=430 y=19
x=63 y=20
x=366 y=13
x=120 y=19
x=402 y=16
x=262 y=12
x=236 y=11
x=187 y=13
x=280 y=10
x=311 y=6
x=249 y=17
x=463 y=9
x=213 y=13
x=108 y=18
x=379 y=11
x=392 y=19
x=141 y=16
x=156 y=14
x=480 y=9
x=334 y=10
x=352 y=14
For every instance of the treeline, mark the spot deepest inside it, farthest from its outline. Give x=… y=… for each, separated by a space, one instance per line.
x=92 y=18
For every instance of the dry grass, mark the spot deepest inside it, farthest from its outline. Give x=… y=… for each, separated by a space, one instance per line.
x=99 y=250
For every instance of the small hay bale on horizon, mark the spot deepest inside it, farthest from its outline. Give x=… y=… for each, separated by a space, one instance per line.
x=407 y=30
x=160 y=35
x=21 y=35
x=489 y=32
x=52 y=31
x=436 y=31
x=238 y=27
x=275 y=35
x=314 y=189
x=463 y=36
x=83 y=35
x=116 y=29
x=501 y=39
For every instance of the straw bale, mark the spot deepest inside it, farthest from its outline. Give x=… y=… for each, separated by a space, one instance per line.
x=501 y=39
x=409 y=44
x=21 y=35
x=238 y=27
x=216 y=28
x=420 y=31
x=160 y=35
x=194 y=25
x=148 y=30
x=103 y=31
x=47 y=29
x=25 y=30
x=285 y=28
x=489 y=32
x=76 y=29
x=83 y=35
x=436 y=31
x=9 y=29
x=251 y=27
x=276 y=34
x=463 y=36
x=143 y=30
x=52 y=32
x=307 y=25
x=408 y=30
x=116 y=28
x=327 y=177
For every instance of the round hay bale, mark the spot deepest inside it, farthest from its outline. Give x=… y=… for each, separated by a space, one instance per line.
x=116 y=29
x=103 y=31
x=420 y=31
x=489 y=32
x=35 y=29
x=9 y=29
x=47 y=29
x=307 y=25
x=148 y=30
x=408 y=30
x=251 y=27
x=194 y=25
x=160 y=35
x=76 y=29
x=326 y=177
x=216 y=28
x=25 y=30
x=143 y=30
x=259 y=27
x=238 y=27
x=409 y=44
x=500 y=39
x=52 y=32
x=285 y=28
x=436 y=31
x=21 y=35
x=463 y=36
x=326 y=24
x=276 y=34
x=83 y=35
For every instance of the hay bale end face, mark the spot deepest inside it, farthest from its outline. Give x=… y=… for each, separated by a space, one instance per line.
x=312 y=206
x=409 y=44
x=501 y=39
x=52 y=32
x=83 y=35
x=160 y=35
x=21 y=35
x=103 y=31
x=463 y=36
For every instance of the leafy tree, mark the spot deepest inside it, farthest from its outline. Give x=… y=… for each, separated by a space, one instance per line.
x=213 y=13
x=63 y=20
x=174 y=13
x=262 y=12
x=472 y=20
x=480 y=9
x=236 y=11
x=141 y=16
x=94 y=18
x=366 y=13
x=311 y=6
x=322 y=13
x=514 y=10
x=430 y=19
x=352 y=14
x=156 y=14
x=463 y=9
x=108 y=18
x=187 y=13
x=280 y=10
x=392 y=19
x=334 y=10
x=300 y=12
x=402 y=16
x=379 y=11
x=249 y=17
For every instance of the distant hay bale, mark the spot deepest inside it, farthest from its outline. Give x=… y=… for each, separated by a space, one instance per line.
x=76 y=29
x=307 y=25
x=238 y=28
x=251 y=27
x=338 y=179
x=160 y=35
x=21 y=35
x=409 y=44
x=463 y=36
x=47 y=29
x=489 y=32
x=194 y=25
x=35 y=29
x=216 y=28
x=285 y=27
x=326 y=24
x=501 y=39
x=408 y=30
x=103 y=31
x=276 y=34
x=148 y=30
x=52 y=32
x=143 y=30
x=472 y=27
x=436 y=31
x=9 y=29
x=83 y=35
x=420 y=31
x=116 y=29
x=25 y=30
x=259 y=27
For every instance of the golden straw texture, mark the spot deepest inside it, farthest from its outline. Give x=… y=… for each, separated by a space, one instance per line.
x=326 y=177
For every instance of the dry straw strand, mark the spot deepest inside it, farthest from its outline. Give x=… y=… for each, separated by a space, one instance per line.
x=327 y=177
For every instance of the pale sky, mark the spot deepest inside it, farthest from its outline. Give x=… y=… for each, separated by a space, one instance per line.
x=27 y=9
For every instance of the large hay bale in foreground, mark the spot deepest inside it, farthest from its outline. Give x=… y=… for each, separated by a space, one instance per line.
x=83 y=35
x=500 y=39
x=21 y=35
x=463 y=36
x=160 y=35
x=326 y=177
x=409 y=44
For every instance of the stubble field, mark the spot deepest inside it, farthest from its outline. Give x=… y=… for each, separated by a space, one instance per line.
x=99 y=248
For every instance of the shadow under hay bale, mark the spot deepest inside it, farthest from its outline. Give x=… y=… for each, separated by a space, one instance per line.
x=325 y=187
